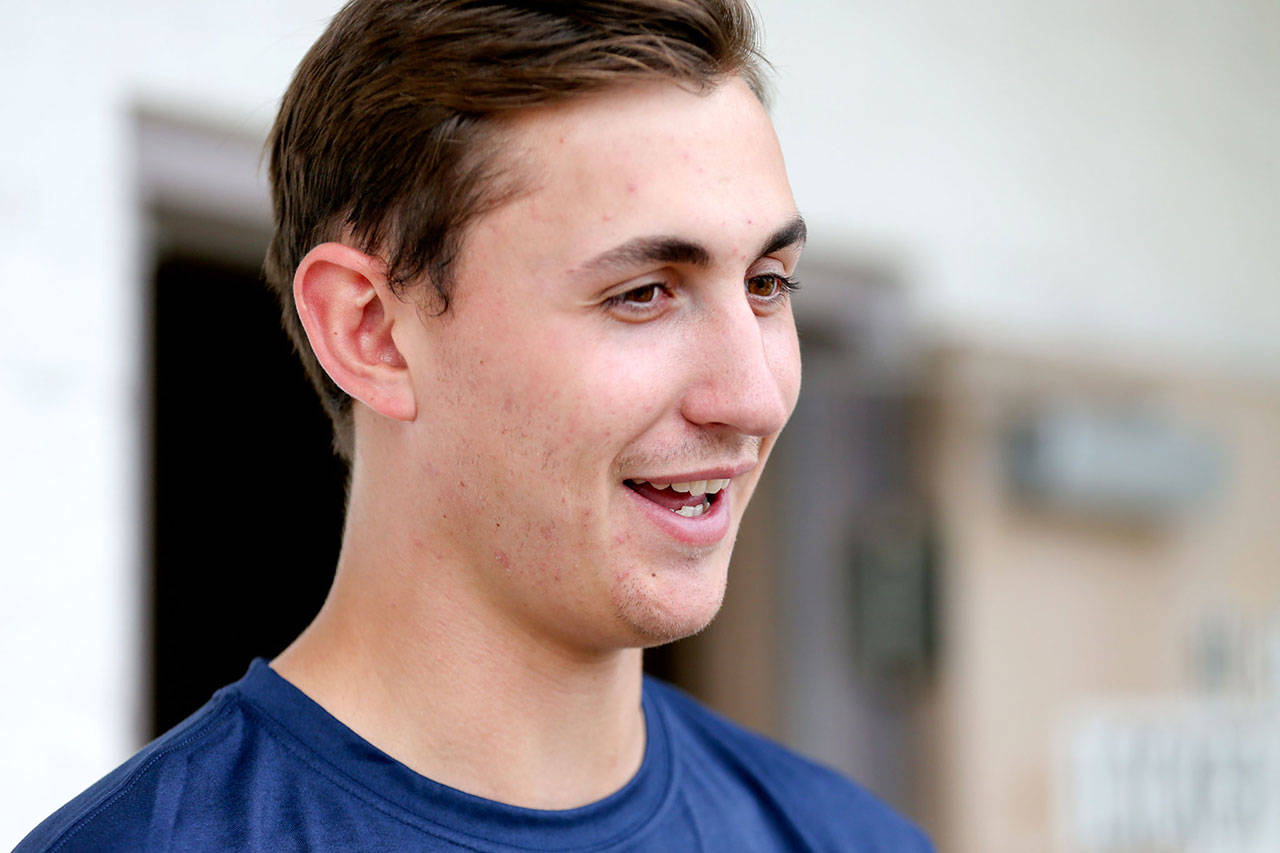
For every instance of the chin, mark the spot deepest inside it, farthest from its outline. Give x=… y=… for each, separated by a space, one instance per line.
x=665 y=605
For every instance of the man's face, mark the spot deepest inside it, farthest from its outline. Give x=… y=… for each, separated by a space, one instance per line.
x=624 y=325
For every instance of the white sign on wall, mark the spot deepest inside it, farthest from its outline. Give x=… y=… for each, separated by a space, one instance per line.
x=1202 y=777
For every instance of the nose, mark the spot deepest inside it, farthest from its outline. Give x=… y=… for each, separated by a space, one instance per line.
x=746 y=373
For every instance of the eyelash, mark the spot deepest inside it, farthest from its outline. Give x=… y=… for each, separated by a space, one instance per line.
x=786 y=285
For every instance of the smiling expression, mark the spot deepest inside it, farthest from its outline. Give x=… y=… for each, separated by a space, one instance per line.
x=619 y=355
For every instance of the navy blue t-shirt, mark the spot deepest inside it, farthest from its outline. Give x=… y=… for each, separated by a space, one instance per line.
x=263 y=767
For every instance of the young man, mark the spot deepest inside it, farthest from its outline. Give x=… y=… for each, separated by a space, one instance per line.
x=537 y=258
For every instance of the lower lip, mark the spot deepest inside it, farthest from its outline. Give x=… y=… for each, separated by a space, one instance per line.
x=706 y=529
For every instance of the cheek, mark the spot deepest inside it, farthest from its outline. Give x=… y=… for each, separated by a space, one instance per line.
x=548 y=399
x=611 y=394
x=559 y=409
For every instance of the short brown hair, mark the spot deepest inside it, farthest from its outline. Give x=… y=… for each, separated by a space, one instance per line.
x=387 y=134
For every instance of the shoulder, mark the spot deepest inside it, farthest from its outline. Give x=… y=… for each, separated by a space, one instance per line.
x=831 y=810
x=123 y=808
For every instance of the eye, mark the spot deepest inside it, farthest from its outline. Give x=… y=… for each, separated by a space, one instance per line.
x=771 y=287
x=639 y=303
x=642 y=295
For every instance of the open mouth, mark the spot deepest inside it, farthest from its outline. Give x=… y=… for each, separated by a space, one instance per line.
x=690 y=499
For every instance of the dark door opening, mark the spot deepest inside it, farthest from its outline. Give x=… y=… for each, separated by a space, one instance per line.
x=247 y=497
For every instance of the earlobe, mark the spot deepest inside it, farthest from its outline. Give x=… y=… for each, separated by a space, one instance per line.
x=342 y=299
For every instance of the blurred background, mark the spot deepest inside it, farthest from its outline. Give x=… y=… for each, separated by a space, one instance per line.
x=1016 y=565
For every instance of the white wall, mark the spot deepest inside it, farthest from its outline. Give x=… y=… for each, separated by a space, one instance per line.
x=71 y=629
x=1072 y=173
x=1082 y=173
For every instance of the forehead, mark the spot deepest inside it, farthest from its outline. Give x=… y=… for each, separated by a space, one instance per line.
x=647 y=158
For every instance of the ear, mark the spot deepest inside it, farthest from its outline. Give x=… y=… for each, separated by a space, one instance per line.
x=346 y=307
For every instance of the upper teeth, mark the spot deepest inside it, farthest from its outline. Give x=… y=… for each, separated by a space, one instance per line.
x=694 y=487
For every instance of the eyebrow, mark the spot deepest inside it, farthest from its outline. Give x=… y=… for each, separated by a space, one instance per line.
x=794 y=233
x=675 y=250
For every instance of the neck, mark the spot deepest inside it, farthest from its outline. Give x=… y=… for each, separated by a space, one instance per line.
x=408 y=656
